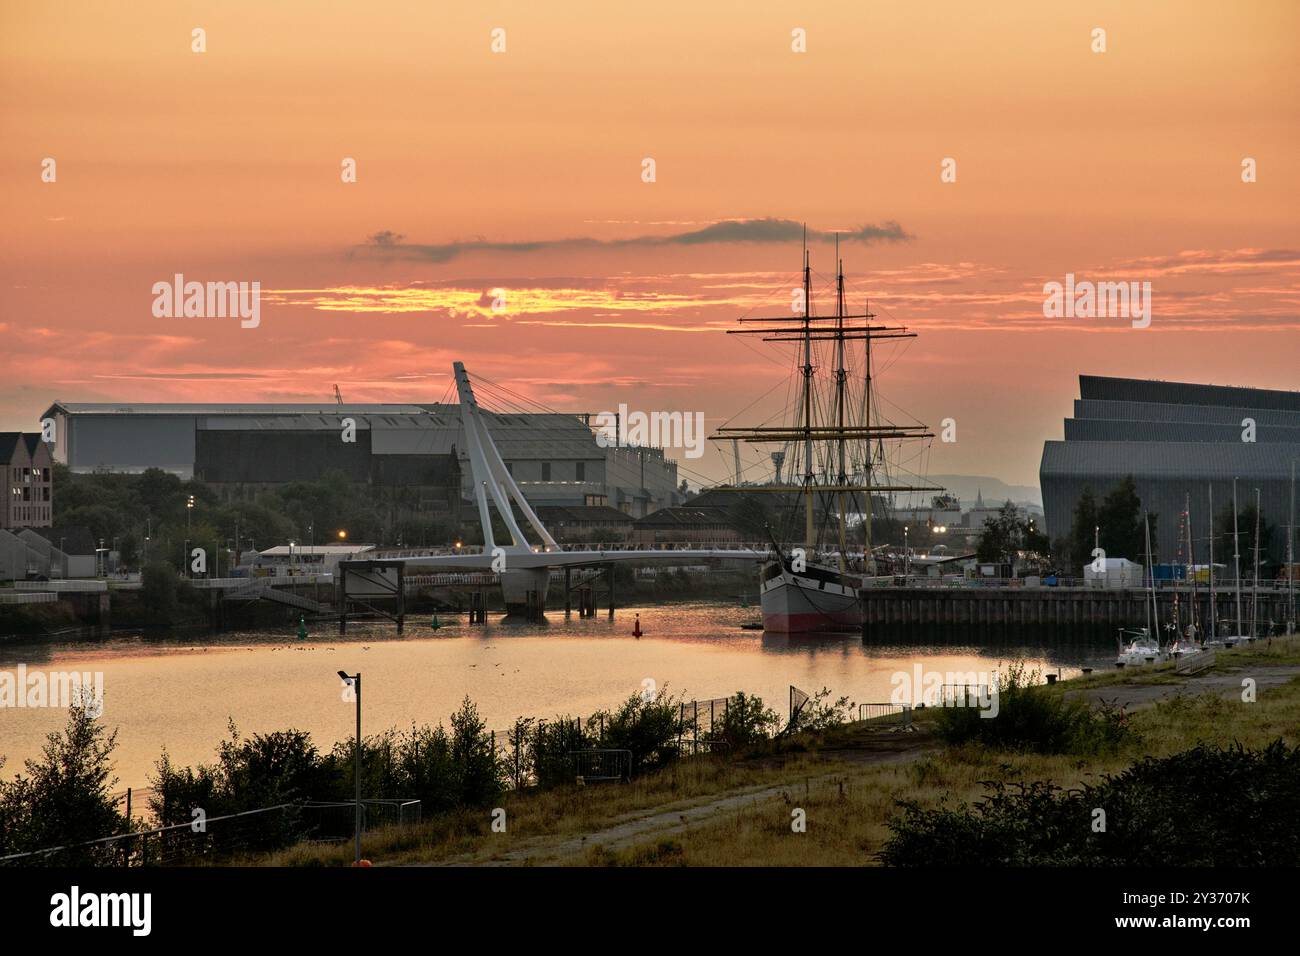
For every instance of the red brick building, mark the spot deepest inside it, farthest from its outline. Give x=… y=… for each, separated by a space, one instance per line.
x=28 y=484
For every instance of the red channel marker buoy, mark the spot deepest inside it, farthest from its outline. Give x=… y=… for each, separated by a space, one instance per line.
x=636 y=628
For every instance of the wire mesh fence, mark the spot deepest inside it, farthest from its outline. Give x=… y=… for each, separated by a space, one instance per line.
x=596 y=765
x=702 y=718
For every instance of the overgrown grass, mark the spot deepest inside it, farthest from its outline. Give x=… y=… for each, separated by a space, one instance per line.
x=848 y=804
x=848 y=814
x=1025 y=716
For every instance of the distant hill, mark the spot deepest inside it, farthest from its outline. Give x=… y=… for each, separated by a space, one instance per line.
x=995 y=490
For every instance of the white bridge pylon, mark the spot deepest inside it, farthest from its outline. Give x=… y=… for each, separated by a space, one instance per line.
x=491 y=477
x=526 y=567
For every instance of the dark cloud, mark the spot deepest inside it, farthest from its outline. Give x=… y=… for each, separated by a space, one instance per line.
x=773 y=231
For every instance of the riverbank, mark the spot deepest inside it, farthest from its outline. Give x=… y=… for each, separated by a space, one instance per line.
x=848 y=782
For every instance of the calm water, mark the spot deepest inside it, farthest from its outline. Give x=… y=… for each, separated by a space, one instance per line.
x=181 y=694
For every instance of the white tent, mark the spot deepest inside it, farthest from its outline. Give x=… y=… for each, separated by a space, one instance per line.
x=1114 y=573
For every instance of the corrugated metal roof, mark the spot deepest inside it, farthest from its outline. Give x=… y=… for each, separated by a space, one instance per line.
x=253 y=408
x=1113 y=459
x=1097 y=429
x=1184 y=393
x=1167 y=412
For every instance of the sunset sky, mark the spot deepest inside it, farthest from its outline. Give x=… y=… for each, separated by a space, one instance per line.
x=522 y=170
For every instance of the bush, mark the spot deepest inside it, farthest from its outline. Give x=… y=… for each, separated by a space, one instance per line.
x=1202 y=807
x=818 y=715
x=745 y=722
x=647 y=725
x=65 y=797
x=158 y=587
x=1032 y=717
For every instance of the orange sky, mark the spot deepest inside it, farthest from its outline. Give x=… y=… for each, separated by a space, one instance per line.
x=225 y=165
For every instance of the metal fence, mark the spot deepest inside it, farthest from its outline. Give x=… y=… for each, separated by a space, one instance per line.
x=595 y=765
x=876 y=711
x=698 y=718
x=962 y=695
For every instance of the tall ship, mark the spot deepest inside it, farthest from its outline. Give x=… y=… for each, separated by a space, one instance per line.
x=836 y=445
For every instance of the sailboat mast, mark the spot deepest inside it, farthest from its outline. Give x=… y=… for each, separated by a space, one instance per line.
x=807 y=397
x=1254 y=588
x=1155 y=610
x=1191 y=565
x=1236 y=554
x=1290 y=557
x=1214 y=606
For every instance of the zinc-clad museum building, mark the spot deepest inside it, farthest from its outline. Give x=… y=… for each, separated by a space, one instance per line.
x=1176 y=439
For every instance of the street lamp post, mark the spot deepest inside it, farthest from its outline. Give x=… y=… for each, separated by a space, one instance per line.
x=355 y=681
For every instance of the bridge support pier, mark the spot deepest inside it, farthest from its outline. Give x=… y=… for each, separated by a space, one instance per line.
x=610 y=572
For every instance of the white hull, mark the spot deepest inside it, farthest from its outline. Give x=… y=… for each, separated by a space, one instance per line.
x=819 y=599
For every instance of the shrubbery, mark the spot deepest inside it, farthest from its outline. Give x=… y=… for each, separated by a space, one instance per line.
x=65 y=797
x=1032 y=717
x=1202 y=807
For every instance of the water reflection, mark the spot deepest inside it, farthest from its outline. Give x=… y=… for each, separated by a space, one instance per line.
x=179 y=692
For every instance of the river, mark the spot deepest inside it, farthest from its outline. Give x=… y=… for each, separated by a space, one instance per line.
x=181 y=694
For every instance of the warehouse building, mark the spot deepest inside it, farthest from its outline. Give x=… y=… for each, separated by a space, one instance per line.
x=414 y=453
x=1177 y=440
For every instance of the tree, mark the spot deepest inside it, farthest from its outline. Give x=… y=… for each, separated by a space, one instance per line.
x=1271 y=545
x=66 y=796
x=158 y=591
x=1003 y=535
x=1081 y=529
x=1120 y=518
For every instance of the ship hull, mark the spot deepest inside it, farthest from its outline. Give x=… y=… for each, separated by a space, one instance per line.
x=820 y=599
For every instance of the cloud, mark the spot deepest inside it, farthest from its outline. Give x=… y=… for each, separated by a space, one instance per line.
x=764 y=231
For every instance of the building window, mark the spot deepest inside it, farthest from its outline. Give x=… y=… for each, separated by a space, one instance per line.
x=580 y=471
x=546 y=471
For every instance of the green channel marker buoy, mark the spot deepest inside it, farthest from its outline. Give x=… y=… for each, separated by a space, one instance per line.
x=302 y=628
x=434 y=623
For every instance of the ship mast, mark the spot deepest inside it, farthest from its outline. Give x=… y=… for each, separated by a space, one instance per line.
x=840 y=376
x=868 y=557
x=808 y=476
x=839 y=430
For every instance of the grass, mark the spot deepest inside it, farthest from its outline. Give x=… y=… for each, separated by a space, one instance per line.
x=837 y=778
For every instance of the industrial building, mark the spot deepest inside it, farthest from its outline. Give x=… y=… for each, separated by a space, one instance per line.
x=414 y=455
x=1177 y=440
